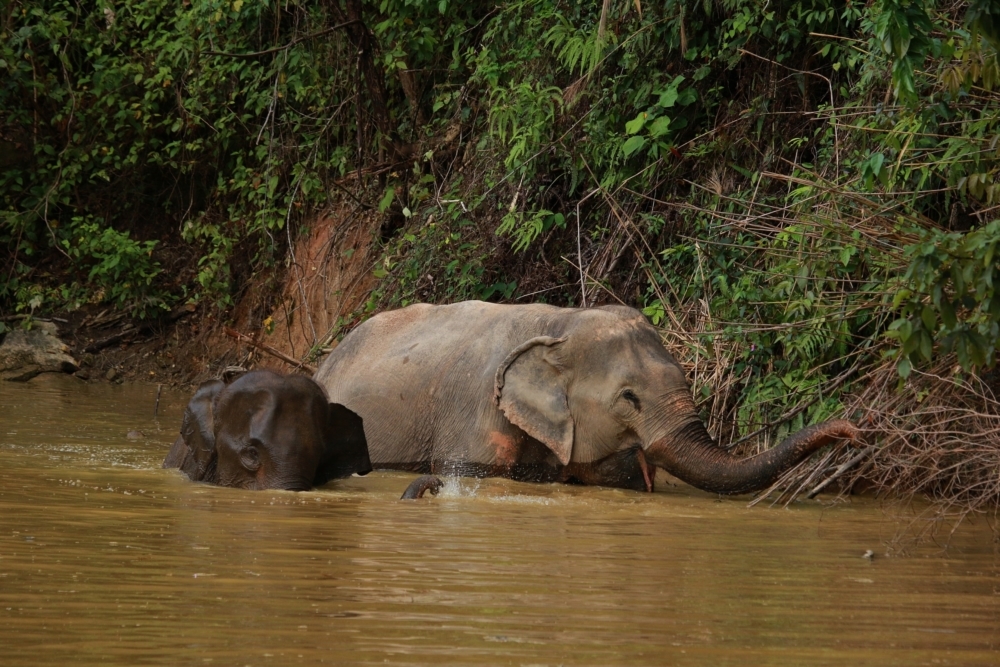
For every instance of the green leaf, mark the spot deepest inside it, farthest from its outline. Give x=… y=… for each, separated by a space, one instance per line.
x=687 y=96
x=634 y=125
x=655 y=312
x=387 y=197
x=904 y=329
x=846 y=254
x=962 y=351
x=926 y=345
x=903 y=368
x=901 y=296
x=659 y=127
x=875 y=161
x=632 y=145
x=668 y=97
x=929 y=318
x=947 y=313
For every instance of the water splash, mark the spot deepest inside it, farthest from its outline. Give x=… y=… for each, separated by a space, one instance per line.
x=471 y=487
x=459 y=487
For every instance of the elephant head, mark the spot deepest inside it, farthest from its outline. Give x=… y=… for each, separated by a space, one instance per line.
x=268 y=431
x=605 y=383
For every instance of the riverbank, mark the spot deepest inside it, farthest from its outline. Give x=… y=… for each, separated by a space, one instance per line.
x=299 y=311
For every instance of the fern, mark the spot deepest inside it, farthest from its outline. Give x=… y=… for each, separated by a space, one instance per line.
x=578 y=51
x=521 y=117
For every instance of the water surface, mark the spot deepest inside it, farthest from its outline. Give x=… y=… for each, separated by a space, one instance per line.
x=106 y=559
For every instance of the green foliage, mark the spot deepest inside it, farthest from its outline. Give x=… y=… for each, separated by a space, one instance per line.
x=119 y=267
x=902 y=27
x=526 y=228
x=983 y=17
x=522 y=117
x=440 y=260
x=224 y=120
x=781 y=297
x=651 y=129
x=578 y=50
x=950 y=299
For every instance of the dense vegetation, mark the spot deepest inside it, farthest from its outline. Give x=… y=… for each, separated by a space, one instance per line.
x=803 y=193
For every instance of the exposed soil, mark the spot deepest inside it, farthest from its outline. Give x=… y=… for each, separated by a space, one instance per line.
x=329 y=279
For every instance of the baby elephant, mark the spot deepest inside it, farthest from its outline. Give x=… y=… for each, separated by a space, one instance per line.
x=268 y=431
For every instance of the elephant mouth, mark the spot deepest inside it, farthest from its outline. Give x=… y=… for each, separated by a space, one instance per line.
x=628 y=468
x=640 y=465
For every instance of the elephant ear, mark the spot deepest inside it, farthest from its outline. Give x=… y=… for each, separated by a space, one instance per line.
x=346 y=446
x=198 y=435
x=530 y=388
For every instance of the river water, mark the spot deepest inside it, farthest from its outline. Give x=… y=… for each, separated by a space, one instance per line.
x=106 y=559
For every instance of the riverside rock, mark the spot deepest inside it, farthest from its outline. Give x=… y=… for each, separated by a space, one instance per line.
x=25 y=354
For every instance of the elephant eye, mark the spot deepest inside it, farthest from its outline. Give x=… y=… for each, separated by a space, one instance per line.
x=630 y=396
x=250 y=458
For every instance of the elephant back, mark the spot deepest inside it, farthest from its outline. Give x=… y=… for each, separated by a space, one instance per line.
x=422 y=377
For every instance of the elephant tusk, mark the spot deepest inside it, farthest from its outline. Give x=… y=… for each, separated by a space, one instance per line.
x=648 y=476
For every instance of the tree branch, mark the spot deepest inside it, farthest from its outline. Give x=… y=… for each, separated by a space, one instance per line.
x=264 y=347
x=298 y=40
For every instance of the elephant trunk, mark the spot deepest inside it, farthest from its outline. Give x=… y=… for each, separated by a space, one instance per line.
x=691 y=455
x=421 y=484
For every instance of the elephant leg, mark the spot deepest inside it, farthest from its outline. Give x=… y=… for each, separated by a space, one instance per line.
x=420 y=485
x=625 y=469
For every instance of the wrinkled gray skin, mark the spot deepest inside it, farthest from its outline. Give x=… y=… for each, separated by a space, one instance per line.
x=268 y=431
x=538 y=393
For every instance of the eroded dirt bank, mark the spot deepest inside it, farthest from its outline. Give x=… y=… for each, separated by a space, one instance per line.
x=296 y=309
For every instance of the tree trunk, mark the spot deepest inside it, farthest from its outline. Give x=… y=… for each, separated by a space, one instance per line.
x=369 y=69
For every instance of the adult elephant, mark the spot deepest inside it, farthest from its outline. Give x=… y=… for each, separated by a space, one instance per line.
x=268 y=431
x=539 y=393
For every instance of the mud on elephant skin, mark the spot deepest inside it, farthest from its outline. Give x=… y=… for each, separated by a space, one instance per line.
x=268 y=431
x=539 y=393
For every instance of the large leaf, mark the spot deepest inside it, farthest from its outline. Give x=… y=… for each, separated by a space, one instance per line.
x=632 y=145
x=635 y=125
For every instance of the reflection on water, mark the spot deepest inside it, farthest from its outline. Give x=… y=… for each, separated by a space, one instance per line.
x=107 y=559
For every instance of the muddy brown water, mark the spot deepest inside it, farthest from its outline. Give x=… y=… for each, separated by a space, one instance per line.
x=106 y=559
